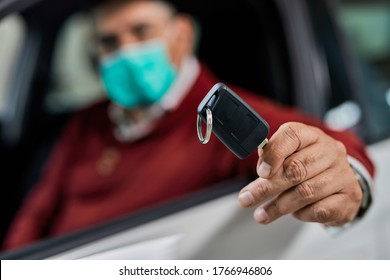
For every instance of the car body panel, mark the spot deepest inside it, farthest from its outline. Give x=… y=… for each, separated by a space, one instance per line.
x=292 y=64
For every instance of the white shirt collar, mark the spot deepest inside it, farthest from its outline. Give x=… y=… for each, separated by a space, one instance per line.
x=128 y=130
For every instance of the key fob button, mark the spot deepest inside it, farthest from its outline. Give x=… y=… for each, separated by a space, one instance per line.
x=234 y=122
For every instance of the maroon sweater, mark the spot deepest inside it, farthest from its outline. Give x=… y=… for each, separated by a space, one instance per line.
x=91 y=177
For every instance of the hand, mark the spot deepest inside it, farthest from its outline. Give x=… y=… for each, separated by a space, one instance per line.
x=304 y=172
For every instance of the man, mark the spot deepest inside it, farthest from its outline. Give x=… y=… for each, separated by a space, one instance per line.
x=141 y=148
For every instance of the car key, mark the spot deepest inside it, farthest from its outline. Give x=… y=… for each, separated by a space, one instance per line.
x=232 y=120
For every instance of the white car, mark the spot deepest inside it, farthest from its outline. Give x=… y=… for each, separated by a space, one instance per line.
x=306 y=54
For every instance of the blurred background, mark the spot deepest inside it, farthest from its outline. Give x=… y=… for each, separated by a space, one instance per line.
x=330 y=58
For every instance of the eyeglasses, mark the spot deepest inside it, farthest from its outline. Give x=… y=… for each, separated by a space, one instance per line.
x=142 y=31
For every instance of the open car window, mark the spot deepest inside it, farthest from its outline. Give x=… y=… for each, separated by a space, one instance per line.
x=290 y=51
x=366 y=25
x=62 y=73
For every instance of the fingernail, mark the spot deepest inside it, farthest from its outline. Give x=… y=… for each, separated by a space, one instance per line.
x=261 y=216
x=264 y=170
x=246 y=199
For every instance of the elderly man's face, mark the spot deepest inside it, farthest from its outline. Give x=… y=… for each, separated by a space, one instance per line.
x=140 y=21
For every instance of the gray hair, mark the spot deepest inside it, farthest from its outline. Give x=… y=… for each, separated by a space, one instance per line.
x=108 y=5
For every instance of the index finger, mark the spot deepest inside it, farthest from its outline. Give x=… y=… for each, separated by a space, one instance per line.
x=288 y=139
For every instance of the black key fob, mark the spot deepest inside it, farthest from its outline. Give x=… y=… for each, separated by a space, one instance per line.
x=232 y=120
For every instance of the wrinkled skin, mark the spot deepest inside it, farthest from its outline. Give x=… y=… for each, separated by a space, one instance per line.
x=304 y=172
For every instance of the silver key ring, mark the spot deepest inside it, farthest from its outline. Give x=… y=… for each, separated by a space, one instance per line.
x=209 y=126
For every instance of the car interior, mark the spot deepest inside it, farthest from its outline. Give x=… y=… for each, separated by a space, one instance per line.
x=245 y=44
x=44 y=104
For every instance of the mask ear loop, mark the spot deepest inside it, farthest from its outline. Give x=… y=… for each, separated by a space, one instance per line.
x=209 y=126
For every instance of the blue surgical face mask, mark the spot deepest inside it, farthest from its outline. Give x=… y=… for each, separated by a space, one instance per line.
x=138 y=75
